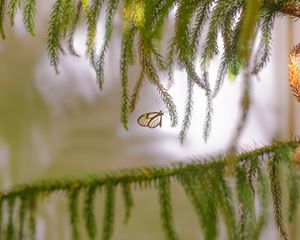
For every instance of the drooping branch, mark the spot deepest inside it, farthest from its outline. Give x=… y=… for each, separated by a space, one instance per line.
x=146 y=19
x=205 y=183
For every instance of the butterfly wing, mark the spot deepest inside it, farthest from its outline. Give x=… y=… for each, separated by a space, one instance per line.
x=143 y=120
x=155 y=121
x=151 y=119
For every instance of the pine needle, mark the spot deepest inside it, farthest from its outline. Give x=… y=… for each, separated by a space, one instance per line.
x=12 y=10
x=136 y=91
x=92 y=19
x=10 y=225
x=22 y=213
x=89 y=216
x=263 y=194
x=273 y=166
x=28 y=16
x=245 y=198
x=225 y=203
x=109 y=212
x=166 y=209
x=126 y=59
x=264 y=49
x=73 y=209
x=32 y=212
x=73 y=26
x=53 y=34
x=69 y=11
x=128 y=201
x=198 y=189
x=2 y=10
x=188 y=111
x=110 y=13
x=151 y=73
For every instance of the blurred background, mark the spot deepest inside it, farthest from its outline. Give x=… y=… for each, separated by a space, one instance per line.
x=55 y=126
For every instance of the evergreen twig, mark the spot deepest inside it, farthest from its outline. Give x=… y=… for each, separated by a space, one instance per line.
x=276 y=194
x=12 y=10
x=109 y=212
x=166 y=209
x=203 y=181
x=2 y=10
x=89 y=216
x=128 y=200
x=73 y=209
x=54 y=34
x=28 y=16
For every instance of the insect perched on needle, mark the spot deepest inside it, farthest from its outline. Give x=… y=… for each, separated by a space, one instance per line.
x=150 y=119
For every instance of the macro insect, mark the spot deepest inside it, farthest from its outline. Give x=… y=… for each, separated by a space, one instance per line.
x=150 y=119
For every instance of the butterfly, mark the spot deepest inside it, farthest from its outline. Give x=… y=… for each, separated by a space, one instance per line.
x=150 y=119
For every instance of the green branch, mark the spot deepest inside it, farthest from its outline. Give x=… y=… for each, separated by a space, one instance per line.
x=204 y=181
x=227 y=18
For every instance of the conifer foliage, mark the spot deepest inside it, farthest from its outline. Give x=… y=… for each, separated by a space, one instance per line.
x=142 y=37
x=224 y=188
x=208 y=185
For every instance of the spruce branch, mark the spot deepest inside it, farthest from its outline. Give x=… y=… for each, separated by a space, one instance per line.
x=198 y=189
x=202 y=15
x=203 y=181
x=233 y=20
x=128 y=201
x=263 y=54
x=89 y=216
x=245 y=197
x=183 y=21
x=73 y=26
x=68 y=16
x=2 y=10
x=293 y=181
x=12 y=10
x=245 y=106
x=73 y=209
x=22 y=214
x=293 y=186
x=210 y=47
x=157 y=57
x=110 y=13
x=209 y=108
x=92 y=19
x=166 y=209
x=276 y=194
x=150 y=71
x=183 y=17
x=54 y=34
x=225 y=202
x=109 y=212
x=170 y=62
x=229 y=60
x=32 y=219
x=10 y=225
x=188 y=111
x=157 y=11
x=140 y=175
x=136 y=91
x=263 y=194
x=126 y=58
x=28 y=16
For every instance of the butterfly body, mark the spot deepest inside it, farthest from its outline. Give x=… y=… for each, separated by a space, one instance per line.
x=150 y=119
